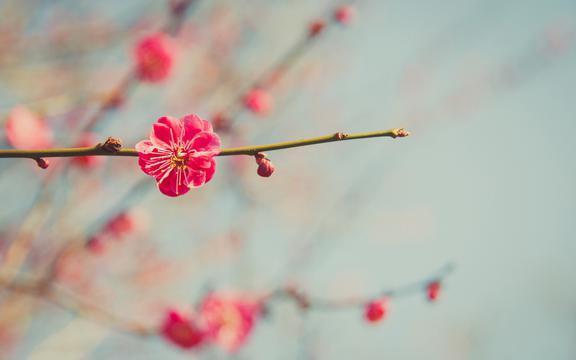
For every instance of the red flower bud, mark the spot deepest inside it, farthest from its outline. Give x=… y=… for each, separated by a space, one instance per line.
x=42 y=163
x=120 y=225
x=259 y=101
x=221 y=123
x=316 y=27
x=96 y=245
x=433 y=291
x=344 y=14
x=265 y=166
x=376 y=310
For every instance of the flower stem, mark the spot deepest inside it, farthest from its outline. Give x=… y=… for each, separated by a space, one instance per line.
x=100 y=150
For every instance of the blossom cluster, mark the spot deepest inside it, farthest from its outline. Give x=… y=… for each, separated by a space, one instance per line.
x=228 y=319
x=225 y=320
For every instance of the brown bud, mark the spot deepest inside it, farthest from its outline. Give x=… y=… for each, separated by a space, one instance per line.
x=111 y=145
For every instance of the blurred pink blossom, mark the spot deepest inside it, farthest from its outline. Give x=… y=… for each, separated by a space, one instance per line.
x=259 y=102
x=229 y=319
x=181 y=331
x=154 y=55
x=27 y=130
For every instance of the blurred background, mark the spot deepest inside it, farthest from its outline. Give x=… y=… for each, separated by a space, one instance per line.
x=486 y=181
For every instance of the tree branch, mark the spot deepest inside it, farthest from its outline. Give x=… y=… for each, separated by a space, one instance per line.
x=307 y=302
x=103 y=150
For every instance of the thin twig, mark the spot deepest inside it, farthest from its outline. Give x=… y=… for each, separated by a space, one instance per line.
x=307 y=302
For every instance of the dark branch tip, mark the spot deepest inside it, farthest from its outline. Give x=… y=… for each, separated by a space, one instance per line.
x=401 y=133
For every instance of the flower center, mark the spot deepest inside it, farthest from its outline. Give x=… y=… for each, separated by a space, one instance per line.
x=180 y=159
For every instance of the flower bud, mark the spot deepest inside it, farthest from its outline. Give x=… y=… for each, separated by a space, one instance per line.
x=221 y=122
x=259 y=101
x=376 y=310
x=433 y=290
x=316 y=27
x=42 y=163
x=265 y=166
x=344 y=14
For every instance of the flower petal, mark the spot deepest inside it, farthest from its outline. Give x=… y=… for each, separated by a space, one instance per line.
x=173 y=185
x=210 y=171
x=155 y=163
x=166 y=132
x=206 y=142
x=144 y=146
x=204 y=164
x=193 y=124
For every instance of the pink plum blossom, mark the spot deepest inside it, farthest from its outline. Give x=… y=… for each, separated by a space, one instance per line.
x=27 y=130
x=154 y=55
x=180 y=153
x=228 y=319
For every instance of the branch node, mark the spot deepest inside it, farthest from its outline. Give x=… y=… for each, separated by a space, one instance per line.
x=111 y=145
x=298 y=296
x=340 y=136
